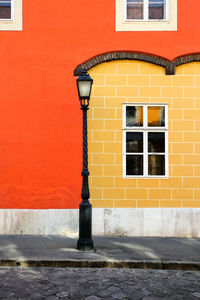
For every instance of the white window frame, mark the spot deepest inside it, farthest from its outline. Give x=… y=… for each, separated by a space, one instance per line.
x=145 y=129
x=146 y=13
x=167 y=24
x=15 y=22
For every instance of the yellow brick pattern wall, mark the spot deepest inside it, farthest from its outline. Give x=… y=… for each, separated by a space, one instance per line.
x=121 y=82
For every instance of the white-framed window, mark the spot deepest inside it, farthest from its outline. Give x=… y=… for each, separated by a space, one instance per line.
x=145 y=140
x=10 y=14
x=146 y=10
x=146 y=15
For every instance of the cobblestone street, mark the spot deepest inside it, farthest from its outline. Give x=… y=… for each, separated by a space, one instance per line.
x=94 y=284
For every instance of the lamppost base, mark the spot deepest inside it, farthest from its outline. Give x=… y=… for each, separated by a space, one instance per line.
x=85 y=241
x=85 y=244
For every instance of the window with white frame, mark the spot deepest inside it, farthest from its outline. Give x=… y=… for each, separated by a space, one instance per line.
x=145 y=10
x=145 y=140
x=146 y=15
x=10 y=14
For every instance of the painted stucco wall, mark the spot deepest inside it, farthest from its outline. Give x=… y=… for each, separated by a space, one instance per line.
x=40 y=119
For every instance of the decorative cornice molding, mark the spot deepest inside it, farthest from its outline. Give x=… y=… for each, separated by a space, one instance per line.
x=187 y=59
x=170 y=66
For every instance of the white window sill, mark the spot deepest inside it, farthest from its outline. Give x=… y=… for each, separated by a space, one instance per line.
x=145 y=177
x=146 y=21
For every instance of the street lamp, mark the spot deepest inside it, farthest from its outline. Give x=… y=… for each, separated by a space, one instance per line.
x=85 y=242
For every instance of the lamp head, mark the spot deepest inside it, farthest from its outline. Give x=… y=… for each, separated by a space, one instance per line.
x=84 y=85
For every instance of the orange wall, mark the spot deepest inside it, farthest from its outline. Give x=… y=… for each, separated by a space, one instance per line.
x=40 y=119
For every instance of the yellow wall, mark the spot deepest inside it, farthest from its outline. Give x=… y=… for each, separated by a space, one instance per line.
x=121 y=82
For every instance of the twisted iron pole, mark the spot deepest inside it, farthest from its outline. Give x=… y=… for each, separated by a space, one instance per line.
x=85 y=241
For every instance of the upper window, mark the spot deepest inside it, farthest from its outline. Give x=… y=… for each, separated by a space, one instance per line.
x=146 y=15
x=10 y=14
x=145 y=146
x=145 y=10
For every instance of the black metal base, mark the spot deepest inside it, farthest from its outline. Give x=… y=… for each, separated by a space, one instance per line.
x=85 y=244
x=85 y=241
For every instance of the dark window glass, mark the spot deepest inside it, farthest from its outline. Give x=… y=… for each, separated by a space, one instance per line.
x=135 y=10
x=156 y=142
x=156 y=165
x=134 y=116
x=156 y=116
x=134 y=165
x=5 y=9
x=156 y=10
x=134 y=142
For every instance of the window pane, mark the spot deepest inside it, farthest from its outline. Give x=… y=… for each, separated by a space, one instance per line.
x=156 y=165
x=134 y=116
x=134 y=142
x=5 y=9
x=134 y=165
x=156 y=116
x=135 y=10
x=156 y=142
x=156 y=10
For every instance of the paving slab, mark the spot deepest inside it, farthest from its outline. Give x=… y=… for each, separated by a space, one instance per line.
x=98 y=284
x=130 y=252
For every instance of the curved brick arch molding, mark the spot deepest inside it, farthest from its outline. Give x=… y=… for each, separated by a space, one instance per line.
x=170 y=66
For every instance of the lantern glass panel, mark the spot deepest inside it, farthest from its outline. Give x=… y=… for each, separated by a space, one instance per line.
x=84 y=88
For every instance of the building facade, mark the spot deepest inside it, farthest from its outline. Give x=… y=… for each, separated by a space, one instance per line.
x=143 y=121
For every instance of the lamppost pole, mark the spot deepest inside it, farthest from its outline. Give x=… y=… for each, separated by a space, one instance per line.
x=85 y=242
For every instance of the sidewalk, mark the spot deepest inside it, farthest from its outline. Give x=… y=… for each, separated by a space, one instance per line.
x=131 y=252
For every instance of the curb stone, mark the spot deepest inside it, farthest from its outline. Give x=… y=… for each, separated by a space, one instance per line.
x=133 y=264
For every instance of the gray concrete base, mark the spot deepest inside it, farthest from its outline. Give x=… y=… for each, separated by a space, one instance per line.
x=39 y=221
x=158 y=222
